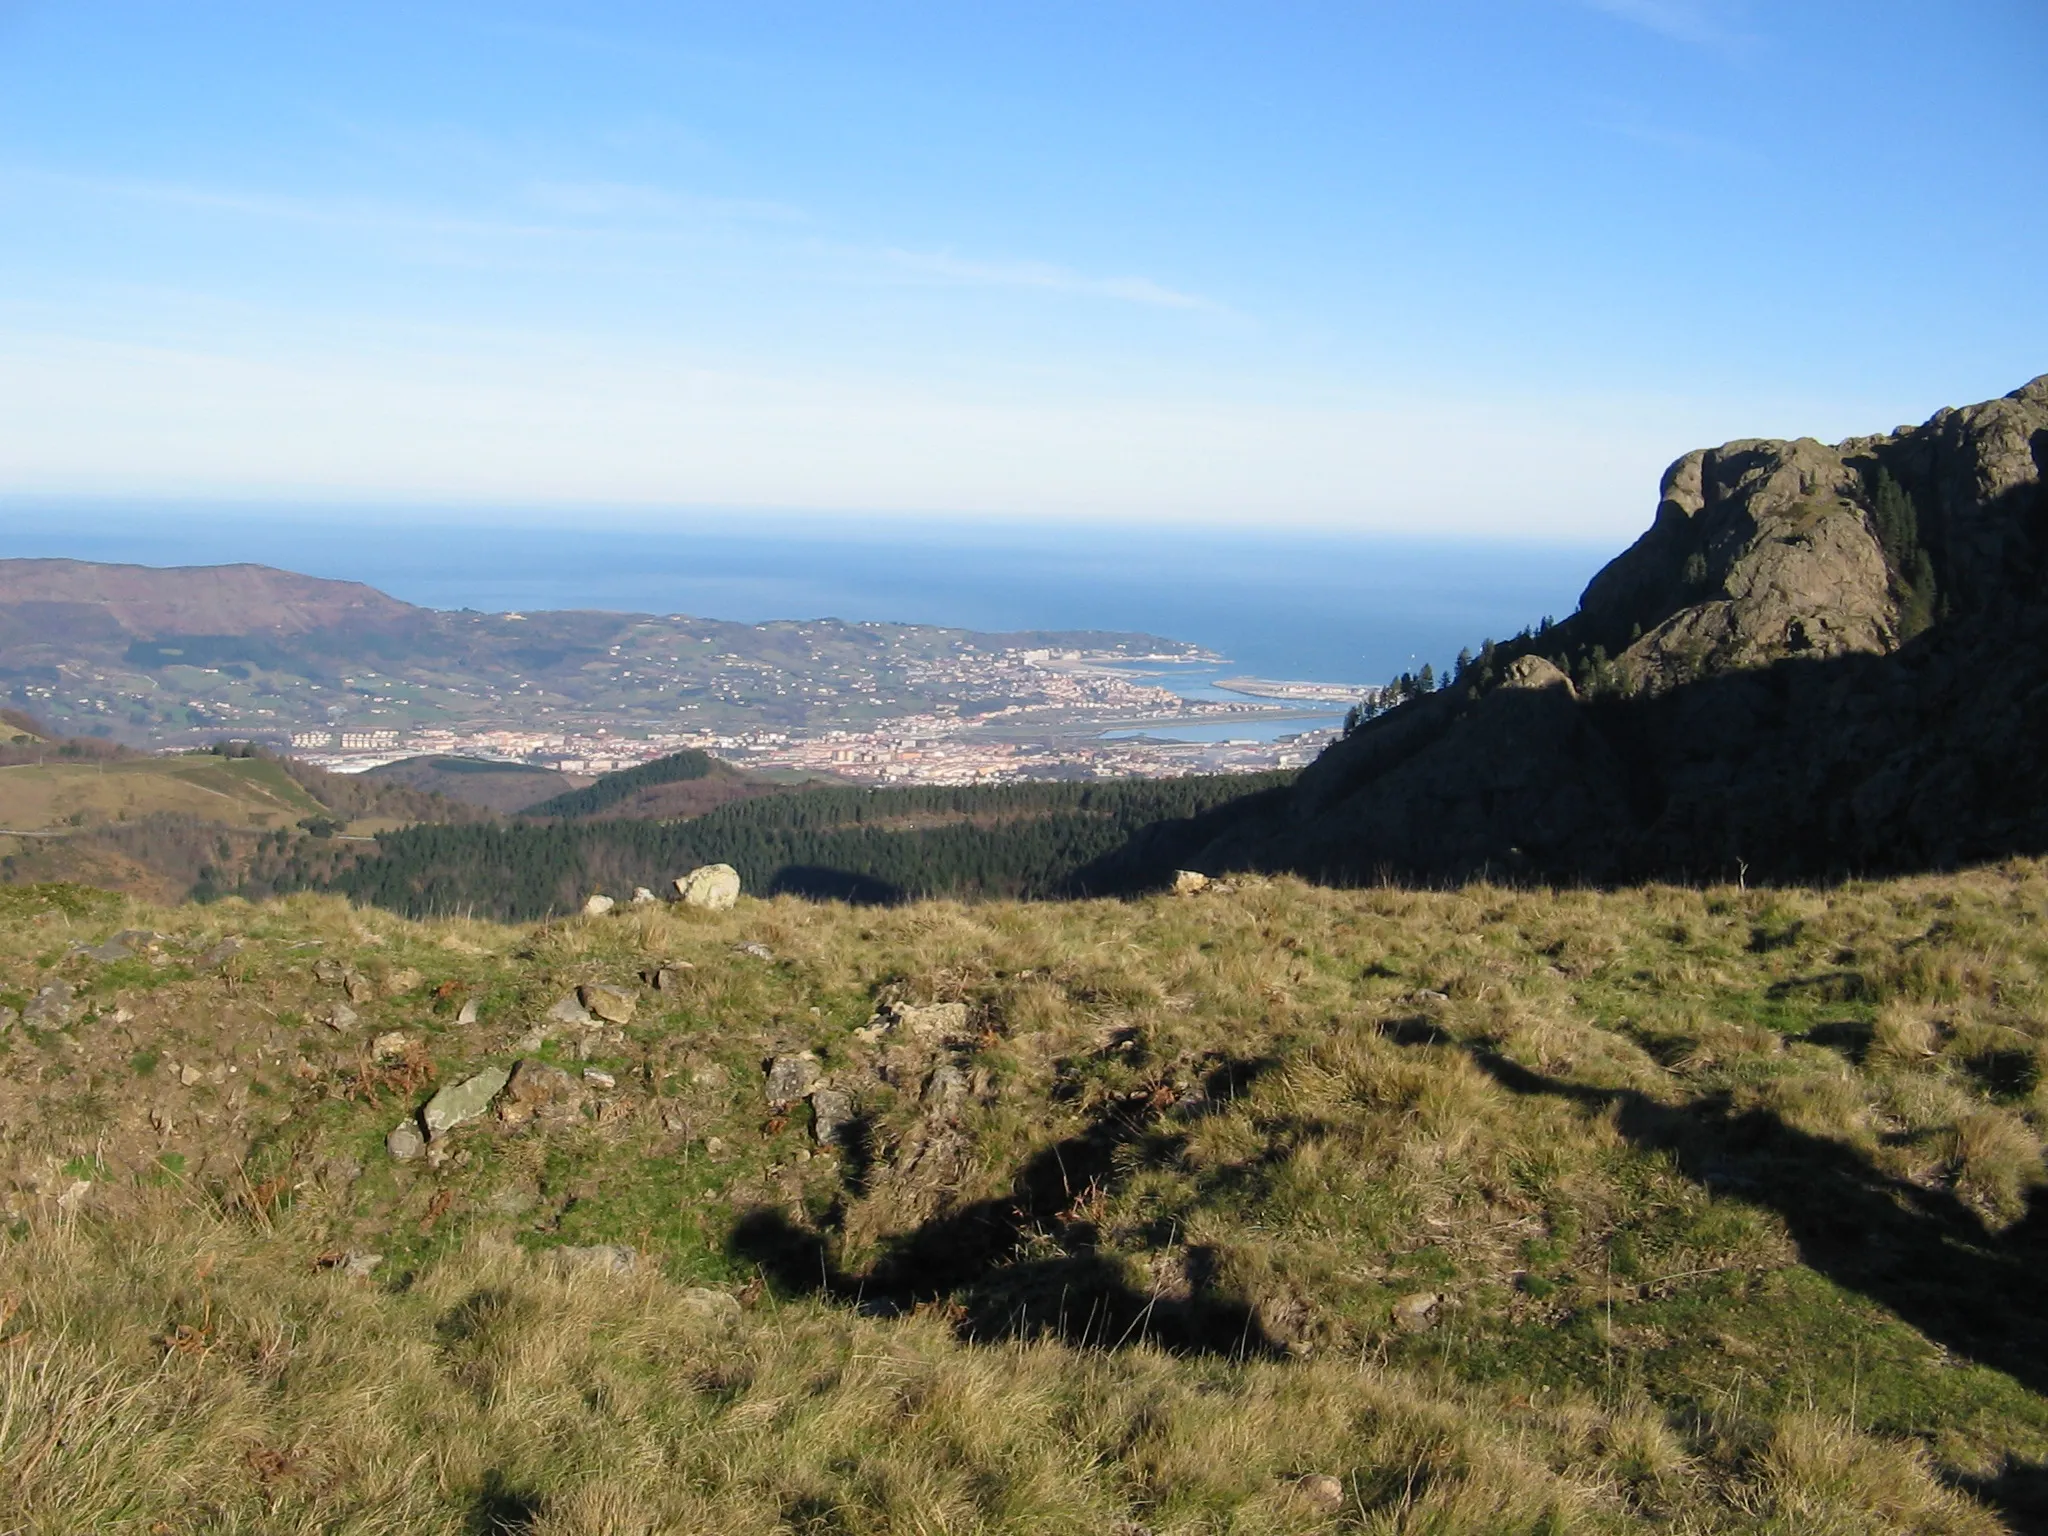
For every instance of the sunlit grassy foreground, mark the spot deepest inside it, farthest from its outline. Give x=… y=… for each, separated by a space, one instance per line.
x=1275 y=1209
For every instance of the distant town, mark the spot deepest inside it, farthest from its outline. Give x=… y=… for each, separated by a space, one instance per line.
x=1072 y=715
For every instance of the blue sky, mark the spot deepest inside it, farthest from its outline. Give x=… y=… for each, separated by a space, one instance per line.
x=1469 y=267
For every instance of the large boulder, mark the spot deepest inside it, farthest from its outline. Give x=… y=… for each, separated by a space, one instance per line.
x=714 y=887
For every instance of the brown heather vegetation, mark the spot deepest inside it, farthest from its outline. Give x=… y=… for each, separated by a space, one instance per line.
x=1271 y=1208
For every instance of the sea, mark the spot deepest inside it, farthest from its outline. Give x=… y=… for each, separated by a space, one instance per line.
x=1277 y=603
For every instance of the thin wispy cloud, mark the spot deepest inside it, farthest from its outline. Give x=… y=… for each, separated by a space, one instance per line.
x=1684 y=21
x=1048 y=278
x=630 y=200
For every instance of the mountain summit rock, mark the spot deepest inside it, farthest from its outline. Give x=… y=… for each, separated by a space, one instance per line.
x=1818 y=660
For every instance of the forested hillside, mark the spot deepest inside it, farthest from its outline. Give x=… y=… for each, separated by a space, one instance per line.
x=1022 y=840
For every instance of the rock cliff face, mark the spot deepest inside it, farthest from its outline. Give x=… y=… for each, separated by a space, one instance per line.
x=1817 y=660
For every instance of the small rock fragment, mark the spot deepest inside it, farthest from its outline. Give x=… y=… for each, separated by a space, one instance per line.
x=51 y=1008
x=942 y=1021
x=402 y=981
x=758 y=951
x=597 y=1077
x=459 y=1103
x=668 y=977
x=614 y=1005
x=831 y=1114
x=643 y=897
x=357 y=987
x=338 y=1016
x=332 y=972
x=791 y=1077
x=1323 y=1491
x=598 y=905
x=221 y=953
x=8 y=1019
x=1187 y=881
x=714 y=1146
x=1415 y=1312
x=568 y=1010
x=538 y=1090
x=357 y=1264
x=468 y=1013
x=405 y=1142
x=392 y=1045
x=713 y=887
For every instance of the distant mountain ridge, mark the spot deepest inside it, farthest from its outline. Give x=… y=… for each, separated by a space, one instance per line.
x=153 y=603
x=151 y=655
x=1818 y=660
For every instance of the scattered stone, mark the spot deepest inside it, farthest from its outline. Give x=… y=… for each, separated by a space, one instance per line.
x=831 y=1114
x=1416 y=1312
x=537 y=1090
x=73 y=1197
x=1188 y=881
x=405 y=1143
x=191 y=1076
x=598 y=905
x=643 y=897
x=531 y=1041
x=602 y=1258
x=357 y=1265
x=402 y=981
x=462 y=1102
x=338 y=1016
x=928 y=1021
x=791 y=1077
x=714 y=887
x=1323 y=1491
x=332 y=972
x=668 y=977
x=711 y=1075
x=8 y=1019
x=122 y=946
x=468 y=1013
x=758 y=951
x=51 y=1008
x=714 y=1146
x=1431 y=995
x=597 y=1077
x=339 y=1172
x=946 y=1089
x=674 y=1121
x=357 y=987
x=393 y=1045
x=221 y=953
x=712 y=1306
x=568 y=1010
x=614 y=1005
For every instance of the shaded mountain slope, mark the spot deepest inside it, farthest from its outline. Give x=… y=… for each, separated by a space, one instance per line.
x=1818 y=660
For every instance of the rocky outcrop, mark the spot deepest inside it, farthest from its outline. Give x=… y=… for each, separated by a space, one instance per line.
x=1817 y=660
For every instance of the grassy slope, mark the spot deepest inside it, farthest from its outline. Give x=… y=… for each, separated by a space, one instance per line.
x=230 y=792
x=1726 y=1197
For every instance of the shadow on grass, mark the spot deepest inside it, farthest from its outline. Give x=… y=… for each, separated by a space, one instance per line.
x=1920 y=1253
x=1030 y=1263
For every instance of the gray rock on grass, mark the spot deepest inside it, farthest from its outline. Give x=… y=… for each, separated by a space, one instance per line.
x=832 y=1113
x=51 y=1008
x=568 y=1010
x=598 y=905
x=405 y=1143
x=462 y=1102
x=614 y=1005
x=792 y=1077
